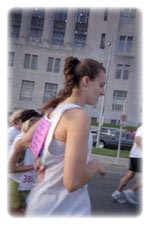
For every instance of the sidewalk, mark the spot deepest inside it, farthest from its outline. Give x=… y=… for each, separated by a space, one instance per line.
x=108 y=160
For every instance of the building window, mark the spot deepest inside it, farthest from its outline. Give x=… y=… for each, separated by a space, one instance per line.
x=53 y=65
x=26 y=92
x=57 y=66
x=125 y=44
x=120 y=95
x=26 y=64
x=50 y=91
x=82 y=16
x=113 y=122
x=80 y=40
x=37 y=23
x=102 y=44
x=122 y=71
x=128 y=15
x=129 y=44
x=117 y=107
x=11 y=57
x=30 y=62
x=118 y=71
x=50 y=64
x=121 y=46
x=126 y=72
x=81 y=27
x=61 y=15
x=15 y=23
x=118 y=100
x=59 y=27
x=34 y=62
x=106 y=14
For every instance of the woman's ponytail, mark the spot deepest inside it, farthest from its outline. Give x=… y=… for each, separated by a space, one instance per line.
x=70 y=82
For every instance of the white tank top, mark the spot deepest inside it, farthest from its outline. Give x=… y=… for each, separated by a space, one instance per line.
x=50 y=197
x=136 y=151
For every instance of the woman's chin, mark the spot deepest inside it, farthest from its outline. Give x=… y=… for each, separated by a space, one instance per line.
x=94 y=104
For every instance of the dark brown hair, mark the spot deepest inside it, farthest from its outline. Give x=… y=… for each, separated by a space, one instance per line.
x=74 y=71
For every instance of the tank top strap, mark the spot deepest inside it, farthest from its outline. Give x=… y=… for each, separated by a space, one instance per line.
x=55 y=117
x=61 y=108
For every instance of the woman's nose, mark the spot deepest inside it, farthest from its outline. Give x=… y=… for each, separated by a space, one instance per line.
x=102 y=93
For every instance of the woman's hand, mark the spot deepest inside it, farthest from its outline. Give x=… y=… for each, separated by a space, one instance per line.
x=40 y=168
x=100 y=169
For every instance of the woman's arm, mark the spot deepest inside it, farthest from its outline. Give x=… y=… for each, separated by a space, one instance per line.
x=13 y=164
x=20 y=146
x=76 y=172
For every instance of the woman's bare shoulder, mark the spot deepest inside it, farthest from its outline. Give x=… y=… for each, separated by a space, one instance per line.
x=76 y=112
x=77 y=116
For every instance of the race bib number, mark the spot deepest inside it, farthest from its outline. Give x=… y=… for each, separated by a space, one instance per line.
x=28 y=178
x=39 y=137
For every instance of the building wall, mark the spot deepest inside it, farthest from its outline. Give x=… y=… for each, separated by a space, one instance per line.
x=113 y=28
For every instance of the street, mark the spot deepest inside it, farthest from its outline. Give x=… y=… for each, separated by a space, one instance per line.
x=101 y=188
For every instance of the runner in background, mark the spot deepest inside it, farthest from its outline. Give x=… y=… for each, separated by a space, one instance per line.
x=135 y=166
x=20 y=184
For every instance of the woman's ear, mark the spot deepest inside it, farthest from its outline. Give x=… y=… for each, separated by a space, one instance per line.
x=85 y=82
x=16 y=121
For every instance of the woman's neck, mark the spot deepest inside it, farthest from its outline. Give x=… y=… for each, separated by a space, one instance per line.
x=76 y=98
x=74 y=101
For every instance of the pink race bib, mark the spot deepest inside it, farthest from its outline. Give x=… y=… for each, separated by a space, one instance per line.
x=39 y=137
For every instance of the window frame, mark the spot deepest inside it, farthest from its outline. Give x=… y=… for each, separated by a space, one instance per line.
x=26 y=91
x=126 y=44
x=30 y=61
x=37 y=25
x=49 y=92
x=11 y=58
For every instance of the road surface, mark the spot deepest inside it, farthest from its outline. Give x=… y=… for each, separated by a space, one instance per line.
x=101 y=188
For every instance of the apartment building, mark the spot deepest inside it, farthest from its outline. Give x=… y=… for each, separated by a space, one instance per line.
x=40 y=39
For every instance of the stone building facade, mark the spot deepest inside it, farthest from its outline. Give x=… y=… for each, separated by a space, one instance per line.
x=40 y=39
